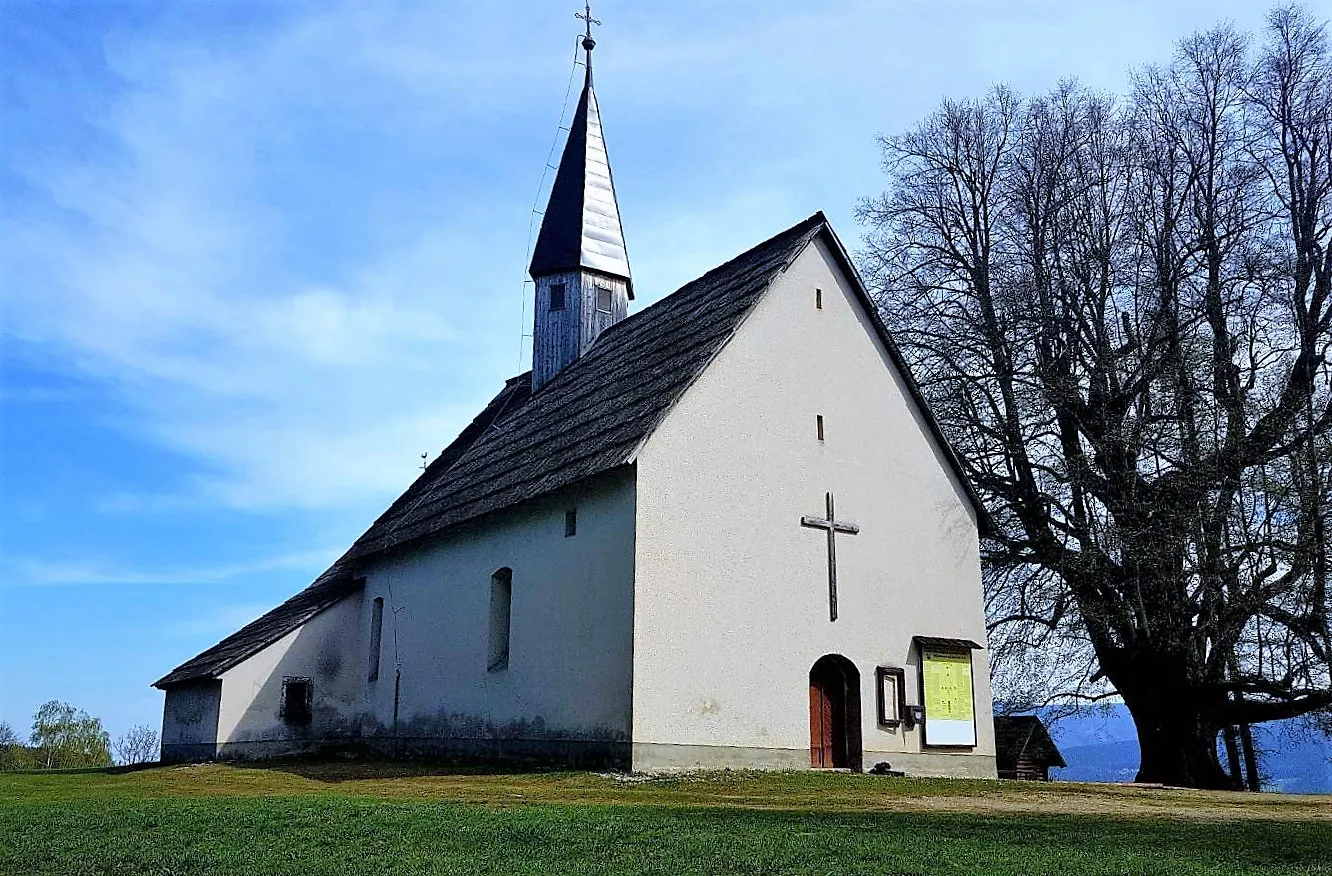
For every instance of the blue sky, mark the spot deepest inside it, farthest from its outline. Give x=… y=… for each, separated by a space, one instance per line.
x=256 y=257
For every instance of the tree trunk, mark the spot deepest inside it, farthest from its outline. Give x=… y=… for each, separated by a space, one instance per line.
x=1176 y=738
x=1233 y=757
x=1255 y=781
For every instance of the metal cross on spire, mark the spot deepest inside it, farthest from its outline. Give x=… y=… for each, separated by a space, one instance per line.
x=586 y=17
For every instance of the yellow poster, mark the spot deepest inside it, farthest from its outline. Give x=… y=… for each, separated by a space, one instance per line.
x=949 y=712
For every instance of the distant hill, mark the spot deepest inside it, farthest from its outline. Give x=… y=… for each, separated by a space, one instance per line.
x=1101 y=745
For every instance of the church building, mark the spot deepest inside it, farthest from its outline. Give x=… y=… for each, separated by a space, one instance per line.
x=723 y=531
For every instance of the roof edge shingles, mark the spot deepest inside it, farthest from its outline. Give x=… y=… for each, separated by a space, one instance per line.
x=327 y=590
x=592 y=417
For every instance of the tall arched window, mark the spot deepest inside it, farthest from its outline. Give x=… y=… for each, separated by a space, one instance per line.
x=501 y=605
x=376 y=636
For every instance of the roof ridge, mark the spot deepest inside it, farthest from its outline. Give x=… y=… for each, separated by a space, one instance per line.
x=813 y=221
x=807 y=225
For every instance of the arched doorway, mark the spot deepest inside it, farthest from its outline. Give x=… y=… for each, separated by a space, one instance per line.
x=834 y=713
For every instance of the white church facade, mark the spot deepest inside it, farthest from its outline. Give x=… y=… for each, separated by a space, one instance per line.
x=724 y=531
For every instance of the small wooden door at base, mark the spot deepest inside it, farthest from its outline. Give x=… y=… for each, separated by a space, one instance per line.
x=820 y=726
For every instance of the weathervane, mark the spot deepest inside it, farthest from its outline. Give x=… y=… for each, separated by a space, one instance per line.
x=586 y=17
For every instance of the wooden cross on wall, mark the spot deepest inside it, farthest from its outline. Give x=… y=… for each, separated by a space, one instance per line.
x=833 y=526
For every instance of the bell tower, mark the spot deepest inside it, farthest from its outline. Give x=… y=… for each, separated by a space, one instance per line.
x=580 y=266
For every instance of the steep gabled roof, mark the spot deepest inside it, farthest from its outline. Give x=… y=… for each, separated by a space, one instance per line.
x=590 y=418
x=594 y=414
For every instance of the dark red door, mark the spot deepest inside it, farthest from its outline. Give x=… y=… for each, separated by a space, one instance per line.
x=834 y=714
x=820 y=725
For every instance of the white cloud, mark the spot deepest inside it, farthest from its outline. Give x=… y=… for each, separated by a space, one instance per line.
x=297 y=373
x=295 y=252
x=46 y=573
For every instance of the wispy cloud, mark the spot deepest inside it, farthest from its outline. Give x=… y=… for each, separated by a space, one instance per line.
x=294 y=251
x=47 y=573
x=217 y=622
x=300 y=369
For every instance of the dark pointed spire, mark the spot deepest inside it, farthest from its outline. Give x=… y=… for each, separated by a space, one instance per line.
x=581 y=227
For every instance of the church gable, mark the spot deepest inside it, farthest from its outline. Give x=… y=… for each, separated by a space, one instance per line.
x=823 y=319
x=796 y=505
x=810 y=381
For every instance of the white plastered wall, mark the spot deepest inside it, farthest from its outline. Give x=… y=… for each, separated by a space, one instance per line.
x=325 y=650
x=571 y=623
x=731 y=596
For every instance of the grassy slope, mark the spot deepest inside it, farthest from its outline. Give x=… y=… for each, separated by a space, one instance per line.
x=399 y=819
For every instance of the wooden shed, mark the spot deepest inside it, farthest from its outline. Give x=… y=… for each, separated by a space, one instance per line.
x=1024 y=749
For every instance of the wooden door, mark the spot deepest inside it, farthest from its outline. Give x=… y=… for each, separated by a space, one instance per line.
x=820 y=724
x=834 y=714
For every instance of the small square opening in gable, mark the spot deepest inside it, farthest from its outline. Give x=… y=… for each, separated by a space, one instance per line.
x=297 y=700
x=570 y=522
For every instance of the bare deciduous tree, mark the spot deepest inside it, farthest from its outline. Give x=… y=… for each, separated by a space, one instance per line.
x=10 y=747
x=1121 y=310
x=137 y=745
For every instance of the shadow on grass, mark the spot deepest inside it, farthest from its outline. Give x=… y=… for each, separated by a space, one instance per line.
x=349 y=765
x=122 y=769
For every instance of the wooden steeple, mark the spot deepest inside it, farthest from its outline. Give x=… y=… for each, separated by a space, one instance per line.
x=580 y=266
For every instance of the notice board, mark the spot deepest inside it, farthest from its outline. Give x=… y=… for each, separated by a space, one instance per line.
x=950 y=713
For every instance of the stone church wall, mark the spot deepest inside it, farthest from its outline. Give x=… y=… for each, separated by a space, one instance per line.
x=189 y=721
x=322 y=653
x=732 y=606
x=565 y=693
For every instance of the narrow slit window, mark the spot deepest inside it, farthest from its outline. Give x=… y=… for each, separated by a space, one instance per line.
x=297 y=700
x=818 y=424
x=818 y=299
x=556 y=296
x=501 y=608
x=603 y=299
x=571 y=522
x=376 y=636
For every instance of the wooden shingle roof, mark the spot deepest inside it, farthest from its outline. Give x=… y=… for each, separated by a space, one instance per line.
x=590 y=418
x=1018 y=736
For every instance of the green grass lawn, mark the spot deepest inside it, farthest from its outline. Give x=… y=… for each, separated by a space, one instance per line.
x=391 y=819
